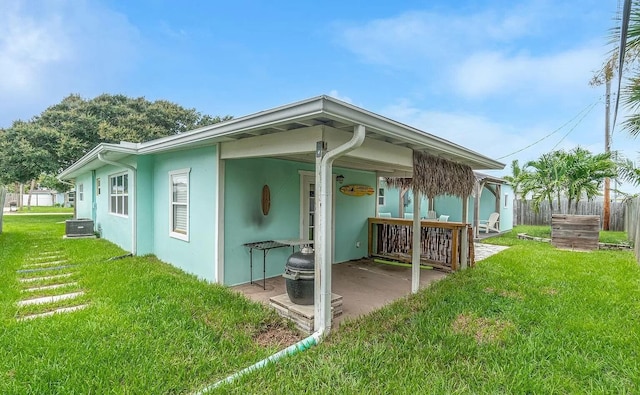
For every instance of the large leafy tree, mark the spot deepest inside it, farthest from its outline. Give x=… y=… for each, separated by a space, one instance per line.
x=26 y=150
x=66 y=131
x=113 y=118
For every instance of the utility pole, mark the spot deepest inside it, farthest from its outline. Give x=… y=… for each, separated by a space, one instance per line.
x=607 y=146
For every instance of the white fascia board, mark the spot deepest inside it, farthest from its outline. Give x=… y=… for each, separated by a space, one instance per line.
x=390 y=128
x=76 y=168
x=217 y=132
x=292 y=142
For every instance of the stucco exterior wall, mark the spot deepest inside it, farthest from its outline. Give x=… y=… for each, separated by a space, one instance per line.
x=197 y=255
x=245 y=222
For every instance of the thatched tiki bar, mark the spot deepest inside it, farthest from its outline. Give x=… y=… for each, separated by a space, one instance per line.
x=442 y=244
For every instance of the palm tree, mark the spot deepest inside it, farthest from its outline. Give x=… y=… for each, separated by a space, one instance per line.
x=585 y=174
x=543 y=181
x=572 y=174
x=516 y=179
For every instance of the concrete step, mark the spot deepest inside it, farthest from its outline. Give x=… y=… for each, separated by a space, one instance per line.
x=49 y=299
x=44 y=253
x=42 y=264
x=47 y=287
x=56 y=311
x=44 y=269
x=34 y=279
x=45 y=256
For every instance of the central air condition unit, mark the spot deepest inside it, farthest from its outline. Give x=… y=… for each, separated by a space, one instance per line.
x=79 y=227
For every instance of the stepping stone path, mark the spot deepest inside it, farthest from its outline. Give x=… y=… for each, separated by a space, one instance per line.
x=51 y=293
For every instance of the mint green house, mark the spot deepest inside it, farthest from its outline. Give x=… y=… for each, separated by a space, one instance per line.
x=195 y=199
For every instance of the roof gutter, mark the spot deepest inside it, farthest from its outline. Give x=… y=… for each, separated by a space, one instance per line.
x=134 y=226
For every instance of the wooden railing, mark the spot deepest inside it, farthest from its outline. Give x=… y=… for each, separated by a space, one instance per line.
x=442 y=243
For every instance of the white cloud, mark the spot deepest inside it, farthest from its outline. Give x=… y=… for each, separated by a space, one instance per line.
x=496 y=73
x=511 y=51
x=56 y=48
x=337 y=95
x=420 y=35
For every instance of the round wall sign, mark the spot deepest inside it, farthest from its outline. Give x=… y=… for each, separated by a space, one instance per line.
x=266 y=200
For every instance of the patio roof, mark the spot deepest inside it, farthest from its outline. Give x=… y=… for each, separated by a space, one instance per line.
x=290 y=132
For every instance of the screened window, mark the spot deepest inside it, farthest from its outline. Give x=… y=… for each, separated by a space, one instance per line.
x=81 y=192
x=179 y=183
x=119 y=194
x=381 y=196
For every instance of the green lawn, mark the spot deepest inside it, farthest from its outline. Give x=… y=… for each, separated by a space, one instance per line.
x=44 y=209
x=531 y=319
x=149 y=328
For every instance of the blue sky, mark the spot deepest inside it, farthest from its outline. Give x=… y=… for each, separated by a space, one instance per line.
x=494 y=76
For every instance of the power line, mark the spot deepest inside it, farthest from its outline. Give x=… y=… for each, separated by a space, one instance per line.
x=585 y=110
x=576 y=125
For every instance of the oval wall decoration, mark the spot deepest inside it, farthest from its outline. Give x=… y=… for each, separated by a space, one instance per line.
x=266 y=200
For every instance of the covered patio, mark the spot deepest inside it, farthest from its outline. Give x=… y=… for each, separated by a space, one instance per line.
x=365 y=285
x=325 y=139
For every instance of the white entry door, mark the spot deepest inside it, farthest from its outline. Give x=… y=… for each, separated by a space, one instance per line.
x=308 y=207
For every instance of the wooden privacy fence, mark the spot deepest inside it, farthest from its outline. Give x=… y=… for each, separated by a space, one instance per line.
x=441 y=242
x=524 y=214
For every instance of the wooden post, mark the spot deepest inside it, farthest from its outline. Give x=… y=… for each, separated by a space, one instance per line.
x=415 y=245
x=464 y=242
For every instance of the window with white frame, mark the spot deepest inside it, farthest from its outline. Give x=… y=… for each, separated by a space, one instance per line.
x=179 y=216
x=81 y=192
x=380 y=196
x=119 y=194
x=506 y=200
x=98 y=187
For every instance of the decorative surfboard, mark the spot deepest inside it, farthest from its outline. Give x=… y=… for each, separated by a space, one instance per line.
x=357 y=190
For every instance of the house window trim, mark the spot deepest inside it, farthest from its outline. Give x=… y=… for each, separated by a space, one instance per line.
x=176 y=235
x=81 y=192
x=120 y=174
x=98 y=187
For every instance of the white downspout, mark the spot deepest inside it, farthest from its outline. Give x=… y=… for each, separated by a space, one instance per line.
x=323 y=239
x=134 y=225
x=322 y=320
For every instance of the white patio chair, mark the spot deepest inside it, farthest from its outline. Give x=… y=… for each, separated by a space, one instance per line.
x=490 y=224
x=443 y=218
x=384 y=215
x=408 y=215
x=431 y=214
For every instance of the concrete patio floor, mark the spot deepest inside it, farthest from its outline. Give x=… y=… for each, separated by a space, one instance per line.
x=365 y=285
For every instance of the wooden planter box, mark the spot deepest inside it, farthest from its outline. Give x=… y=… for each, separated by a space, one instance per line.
x=575 y=232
